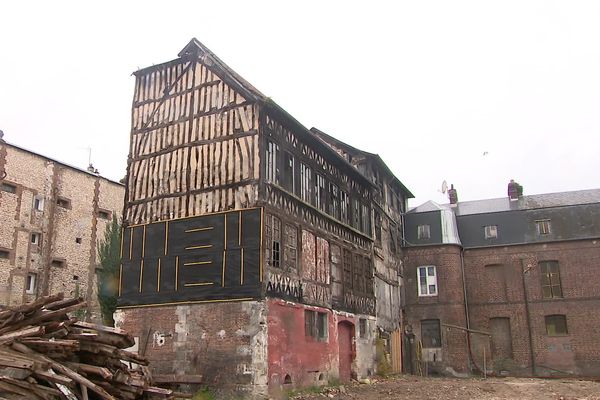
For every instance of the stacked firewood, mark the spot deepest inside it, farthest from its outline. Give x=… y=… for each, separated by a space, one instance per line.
x=46 y=354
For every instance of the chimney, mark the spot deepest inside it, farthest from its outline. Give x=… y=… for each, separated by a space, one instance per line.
x=453 y=195
x=514 y=190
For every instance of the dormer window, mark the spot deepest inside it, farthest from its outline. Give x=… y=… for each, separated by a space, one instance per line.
x=423 y=232
x=543 y=227
x=491 y=231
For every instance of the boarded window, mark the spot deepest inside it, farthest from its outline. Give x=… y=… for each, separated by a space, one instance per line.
x=501 y=338
x=305 y=183
x=309 y=255
x=273 y=241
x=322 y=261
x=320 y=197
x=550 y=279
x=272 y=162
x=556 y=325
x=291 y=247
x=430 y=333
x=289 y=168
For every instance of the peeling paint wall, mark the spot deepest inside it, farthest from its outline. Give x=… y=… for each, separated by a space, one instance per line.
x=225 y=343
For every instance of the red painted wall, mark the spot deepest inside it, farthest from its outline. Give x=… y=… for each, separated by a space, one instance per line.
x=292 y=353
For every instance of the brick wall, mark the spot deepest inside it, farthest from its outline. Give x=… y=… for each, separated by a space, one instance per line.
x=447 y=306
x=223 y=342
x=495 y=287
x=68 y=234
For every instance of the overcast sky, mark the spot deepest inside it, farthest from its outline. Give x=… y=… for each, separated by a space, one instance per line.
x=471 y=92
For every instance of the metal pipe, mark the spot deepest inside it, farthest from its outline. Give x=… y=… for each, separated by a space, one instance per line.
x=528 y=316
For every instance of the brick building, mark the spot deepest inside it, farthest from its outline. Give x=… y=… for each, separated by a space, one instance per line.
x=520 y=272
x=248 y=255
x=52 y=216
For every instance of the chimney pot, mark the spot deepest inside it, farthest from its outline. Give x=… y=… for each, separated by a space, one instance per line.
x=452 y=195
x=514 y=190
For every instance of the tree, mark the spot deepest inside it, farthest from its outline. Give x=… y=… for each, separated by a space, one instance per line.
x=108 y=276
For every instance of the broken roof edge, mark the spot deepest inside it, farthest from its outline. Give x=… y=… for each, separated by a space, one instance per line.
x=320 y=134
x=64 y=164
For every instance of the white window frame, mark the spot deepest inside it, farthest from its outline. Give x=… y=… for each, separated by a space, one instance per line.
x=543 y=227
x=424 y=232
x=31 y=283
x=40 y=203
x=430 y=280
x=490 y=231
x=36 y=238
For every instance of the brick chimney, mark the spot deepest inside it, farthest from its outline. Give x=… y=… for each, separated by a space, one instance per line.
x=514 y=190
x=453 y=195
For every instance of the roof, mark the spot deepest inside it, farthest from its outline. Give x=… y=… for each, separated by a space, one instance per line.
x=530 y=202
x=64 y=164
x=325 y=137
x=195 y=49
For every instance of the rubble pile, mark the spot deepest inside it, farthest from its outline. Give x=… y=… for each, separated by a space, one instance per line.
x=47 y=355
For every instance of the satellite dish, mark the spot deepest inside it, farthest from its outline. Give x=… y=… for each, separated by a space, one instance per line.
x=444 y=187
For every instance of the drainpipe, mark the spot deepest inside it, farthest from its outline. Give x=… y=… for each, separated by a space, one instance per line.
x=466 y=302
x=528 y=316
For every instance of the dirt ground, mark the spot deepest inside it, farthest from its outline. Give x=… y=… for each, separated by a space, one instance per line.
x=417 y=388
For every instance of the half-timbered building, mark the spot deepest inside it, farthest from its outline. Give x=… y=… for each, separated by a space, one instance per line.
x=247 y=255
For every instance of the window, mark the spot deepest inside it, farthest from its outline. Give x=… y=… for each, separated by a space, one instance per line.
x=9 y=188
x=305 y=183
x=356 y=219
x=289 y=167
x=378 y=228
x=57 y=263
x=556 y=325
x=31 y=283
x=550 y=273
x=272 y=159
x=423 y=232
x=427 y=279
x=543 y=227
x=290 y=254
x=490 y=231
x=38 y=203
x=5 y=254
x=430 y=333
x=103 y=214
x=273 y=241
x=334 y=201
x=320 y=201
x=315 y=324
x=344 y=206
x=62 y=202
x=36 y=239
x=366 y=219
x=362 y=328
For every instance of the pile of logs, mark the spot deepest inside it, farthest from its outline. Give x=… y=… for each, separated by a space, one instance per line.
x=45 y=354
